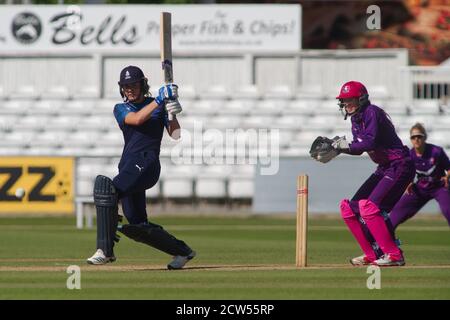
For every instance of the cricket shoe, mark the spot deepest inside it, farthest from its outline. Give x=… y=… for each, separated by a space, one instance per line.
x=178 y=262
x=361 y=261
x=388 y=261
x=99 y=258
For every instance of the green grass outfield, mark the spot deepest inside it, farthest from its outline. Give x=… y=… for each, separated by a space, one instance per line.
x=238 y=258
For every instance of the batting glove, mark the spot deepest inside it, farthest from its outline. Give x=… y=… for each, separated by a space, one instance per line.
x=173 y=107
x=167 y=92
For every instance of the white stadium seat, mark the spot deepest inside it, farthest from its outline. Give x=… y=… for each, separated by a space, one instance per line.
x=300 y=107
x=177 y=187
x=19 y=138
x=97 y=122
x=378 y=92
x=328 y=107
x=395 y=107
x=440 y=138
x=46 y=107
x=404 y=135
x=39 y=151
x=268 y=107
x=396 y=120
x=204 y=107
x=278 y=92
x=112 y=138
x=187 y=92
x=257 y=122
x=240 y=187
x=26 y=91
x=237 y=107
x=342 y=132
x=216 y=92
x=211 y=181
x=425 y=107
x=3 y=93
x=72 y=152
x=285 y=137
x=243 y=170
x=324 y=123
x=409 y=121
x=153 y=192
x=87 y=92
x=178 y=180
x=210 y=188
x=78 y=107
x=64 y=122
x=82 y=138
x=294 y=122
x=250 y=91
x=11 y=151
x=294 y=151
x=16 y=107
x=32 y=122
x=107 y=151
x=305 y=138
x=104 y=106
x=188 y=122
x=7 y=122
x=171 y=170
x=312 y=92
x=56 y=92
x=442 y=122
x=332 y=93
x=50 y=138
x=224 y=122
x=85 y=187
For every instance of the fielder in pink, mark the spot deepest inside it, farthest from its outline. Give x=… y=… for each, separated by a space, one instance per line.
x=366 y=214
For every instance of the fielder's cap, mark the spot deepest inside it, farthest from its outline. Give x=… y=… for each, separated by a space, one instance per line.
x=130 y=74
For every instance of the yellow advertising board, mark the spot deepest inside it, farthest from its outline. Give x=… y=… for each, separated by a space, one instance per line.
x=48 y=183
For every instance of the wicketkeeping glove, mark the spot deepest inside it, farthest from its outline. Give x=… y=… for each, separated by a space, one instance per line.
x=322 y=150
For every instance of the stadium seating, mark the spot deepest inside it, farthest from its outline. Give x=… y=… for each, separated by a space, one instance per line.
x=56 y=92
x=25 y=91
x=57 y=122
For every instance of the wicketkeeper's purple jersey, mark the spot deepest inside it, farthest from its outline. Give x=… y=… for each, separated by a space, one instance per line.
x=374 y=133
x=431 y=166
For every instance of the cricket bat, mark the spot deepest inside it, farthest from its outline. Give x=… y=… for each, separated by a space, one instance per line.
x=165 y=37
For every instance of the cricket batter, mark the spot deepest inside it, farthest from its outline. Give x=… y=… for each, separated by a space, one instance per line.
x=366 y=213
x=433 y=174
x=142 y=120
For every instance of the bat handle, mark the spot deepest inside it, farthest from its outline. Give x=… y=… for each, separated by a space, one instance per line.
x=170 y=117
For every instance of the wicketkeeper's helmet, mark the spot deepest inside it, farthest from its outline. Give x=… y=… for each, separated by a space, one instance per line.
x=353 y=89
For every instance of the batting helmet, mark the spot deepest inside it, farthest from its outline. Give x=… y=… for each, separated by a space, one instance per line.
x=132 y=74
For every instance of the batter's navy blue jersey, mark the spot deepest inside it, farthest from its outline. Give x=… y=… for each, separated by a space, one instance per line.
x=145 y=137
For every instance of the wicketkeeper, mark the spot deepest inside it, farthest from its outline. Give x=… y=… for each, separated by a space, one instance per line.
x=366 y=213
x=142 y=120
